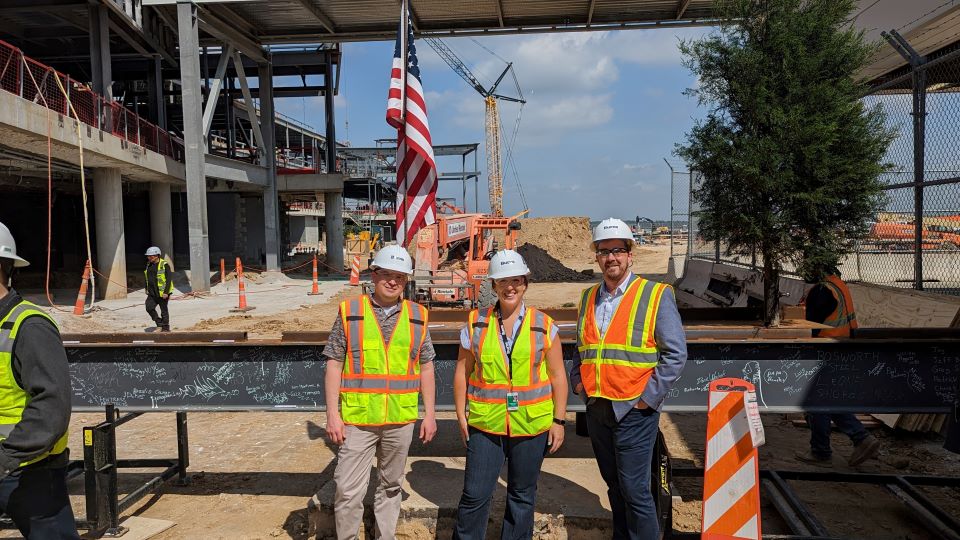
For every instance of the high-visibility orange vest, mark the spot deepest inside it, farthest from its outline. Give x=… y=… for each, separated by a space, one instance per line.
x=526 y=374
x=844 y=318
x=380 y=383
x=617 y=365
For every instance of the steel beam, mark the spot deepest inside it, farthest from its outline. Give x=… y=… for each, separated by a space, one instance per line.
x=682 y=8
x=319 y=15
x=228 y=33
x=100 y=59
x=194 y=147
x=248 y=102
x=271 y=204
x=213 y=96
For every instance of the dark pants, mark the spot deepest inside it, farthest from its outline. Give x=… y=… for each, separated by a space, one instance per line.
x=152 y=303
x=624 y=453
x=485 y=455
x=37 y=502
x=820 y=431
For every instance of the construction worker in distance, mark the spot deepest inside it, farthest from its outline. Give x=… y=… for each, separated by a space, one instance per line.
x=511 y=375
x=34 y=411
x=379 y=361
x=632 y=348
x=829 y=302
x=159 y=286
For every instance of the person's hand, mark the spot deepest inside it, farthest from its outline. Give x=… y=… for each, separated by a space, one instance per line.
x=428 y=429
x=578 y=389
x=464 y=430
x=555 y=437
x=335 y=429
x=641 y=405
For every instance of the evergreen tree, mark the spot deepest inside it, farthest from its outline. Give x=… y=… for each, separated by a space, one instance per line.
x=789 y=155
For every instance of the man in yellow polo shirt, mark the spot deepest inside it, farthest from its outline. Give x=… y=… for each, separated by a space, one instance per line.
x=379 y=361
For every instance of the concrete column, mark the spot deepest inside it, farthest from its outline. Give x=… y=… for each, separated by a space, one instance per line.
x=194 y=147
x=271 y=211
x=161 y=218
x=111 y=253
x=333 y=223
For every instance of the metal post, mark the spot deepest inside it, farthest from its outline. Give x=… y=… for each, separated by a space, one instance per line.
x=476 y=184
x=919 y=147
x=331 y=126
x=671 y=205
x=271 y=213
x=231 y=121
x=463 y=179
x=90 y=476
x=194 y=146
x=183 y=448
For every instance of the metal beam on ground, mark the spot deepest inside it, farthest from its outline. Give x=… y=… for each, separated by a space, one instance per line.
x=214 y=93
x=194 y=146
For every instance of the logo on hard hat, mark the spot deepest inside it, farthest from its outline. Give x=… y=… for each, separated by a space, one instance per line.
x=504 y=263
x=605 y=227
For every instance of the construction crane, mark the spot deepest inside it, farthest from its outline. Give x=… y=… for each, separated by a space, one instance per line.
x=492 y=118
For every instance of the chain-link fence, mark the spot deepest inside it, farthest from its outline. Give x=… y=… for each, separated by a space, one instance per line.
x=922 y=106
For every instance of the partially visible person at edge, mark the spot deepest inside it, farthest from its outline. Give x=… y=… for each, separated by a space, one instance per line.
x=159 y=287
x=379 y=361
x=623 y=373
x=829 y=302
x=34 y=411
x=511 y=376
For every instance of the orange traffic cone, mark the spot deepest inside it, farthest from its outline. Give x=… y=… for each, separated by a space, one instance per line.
x=242 y=305
x=731 y=479
x=316 y=286
x=82 y=295
x=355 y=271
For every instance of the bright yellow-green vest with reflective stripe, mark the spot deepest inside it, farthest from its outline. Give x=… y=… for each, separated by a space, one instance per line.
x=618 y=364
x=525 y=374
x=161 y=275
x=380 y=383
x=13 y=398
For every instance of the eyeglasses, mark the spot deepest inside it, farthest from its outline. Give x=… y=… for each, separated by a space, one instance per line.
x=615 y=251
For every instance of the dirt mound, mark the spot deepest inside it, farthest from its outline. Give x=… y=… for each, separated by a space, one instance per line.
x=563 y=237
x=544 y=267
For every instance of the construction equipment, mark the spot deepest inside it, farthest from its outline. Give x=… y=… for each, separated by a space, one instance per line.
x=492 y=116
x=453 y=257
x=901 y=236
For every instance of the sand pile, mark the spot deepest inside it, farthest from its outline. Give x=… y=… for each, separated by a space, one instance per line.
x=544 y=267
x=563 y=237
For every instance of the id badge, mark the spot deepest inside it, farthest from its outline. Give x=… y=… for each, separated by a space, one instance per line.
x=513 y=401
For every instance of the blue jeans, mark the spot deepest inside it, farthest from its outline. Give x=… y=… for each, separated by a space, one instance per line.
x=820 y=431
x=624 y=453
x=37 y=502
x=485 y=456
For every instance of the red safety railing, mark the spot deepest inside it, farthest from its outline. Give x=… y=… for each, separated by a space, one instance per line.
x=37 y=82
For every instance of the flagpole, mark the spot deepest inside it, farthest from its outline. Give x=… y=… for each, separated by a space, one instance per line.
x=404 y=55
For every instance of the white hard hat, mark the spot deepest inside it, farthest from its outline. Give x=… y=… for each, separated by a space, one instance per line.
x=612 y=229
x=8 y=248
x=507 y=263
x=394 y=258
x=153 y=250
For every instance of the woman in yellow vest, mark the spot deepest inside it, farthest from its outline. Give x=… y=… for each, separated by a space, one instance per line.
x=510 y=391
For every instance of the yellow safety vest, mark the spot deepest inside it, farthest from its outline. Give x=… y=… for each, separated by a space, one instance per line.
x=13 y=398
x=161 y=275
x=526 y=374
x=618 y=364
x=380 y=383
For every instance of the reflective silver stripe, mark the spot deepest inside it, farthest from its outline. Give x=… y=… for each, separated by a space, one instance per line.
x=618 y=354
x=588 y=354
x=539 y=329
x=6 y=341
x=365 y=383
x=486 y=393
x=636 y=338
x=411 y=384
x=483 y=321
x=418 y=327
x=501 y=393
x=6 y=429
x=355 y=343
x=584 y=296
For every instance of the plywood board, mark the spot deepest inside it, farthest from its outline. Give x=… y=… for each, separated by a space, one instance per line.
x=888 y=307
x=141 y=528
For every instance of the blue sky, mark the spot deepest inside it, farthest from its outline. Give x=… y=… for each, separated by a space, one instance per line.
x=603 y=110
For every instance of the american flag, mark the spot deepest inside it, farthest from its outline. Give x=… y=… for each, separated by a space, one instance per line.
x=416 y=168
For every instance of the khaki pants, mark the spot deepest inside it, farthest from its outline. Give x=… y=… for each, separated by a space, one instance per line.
x=391 y=444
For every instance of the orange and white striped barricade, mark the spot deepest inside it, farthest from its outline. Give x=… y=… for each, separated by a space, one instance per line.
x=316 y=286
x=82 y=294
x=242 y=304
x=355 y=271
x=731 y=478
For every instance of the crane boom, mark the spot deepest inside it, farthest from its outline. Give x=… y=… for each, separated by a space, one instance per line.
x=456 y=64
x=494 y=164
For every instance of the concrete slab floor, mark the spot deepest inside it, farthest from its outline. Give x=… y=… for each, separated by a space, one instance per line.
x=268 y=293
